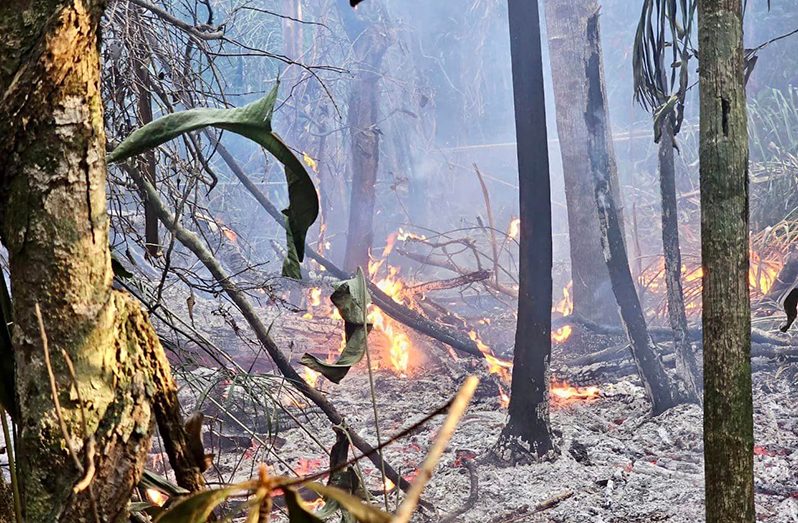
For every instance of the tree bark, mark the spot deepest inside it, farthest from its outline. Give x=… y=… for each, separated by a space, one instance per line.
x=566 y=23
x=728 y=406
x=369 y=44
x=600 y=154
x=528 y=431
x=55 y=226
x=686 y=366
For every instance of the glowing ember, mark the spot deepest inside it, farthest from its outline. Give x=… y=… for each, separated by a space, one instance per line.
x=561 y=334
x=305 y=467
x=515 y=228
x=156 y=497
x=561 y=392
x=229 y=234
x=311 y=376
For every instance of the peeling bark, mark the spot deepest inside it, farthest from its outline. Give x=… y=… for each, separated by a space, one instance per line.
x=55 y=226
x=728 y=405
x=566 y=23
x=600 y=153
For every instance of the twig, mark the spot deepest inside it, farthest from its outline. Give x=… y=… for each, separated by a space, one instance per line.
x=473 y=493
x=450 y=283
x=491 y=224
x=445 y=433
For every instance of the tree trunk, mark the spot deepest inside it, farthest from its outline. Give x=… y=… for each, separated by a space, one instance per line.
x=566 y=23
x=528 y=432
x=146 y=162
x=686 y=366
x=600 y=154
x=728 y=408
x=55 y=227
x=369 y=44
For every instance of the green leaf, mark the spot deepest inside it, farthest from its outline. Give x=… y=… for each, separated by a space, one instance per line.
x=252 y=121
x=196 y=507
x=297 y=512
x=663 y=111
x=119 y=270
x=348 y=299
x=291 y=268
x=362 y=512
x=150 y=479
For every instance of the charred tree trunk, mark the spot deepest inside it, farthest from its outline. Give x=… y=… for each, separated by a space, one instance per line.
x=369 y=43
x=147 y=162
x=600 y=153
x=728 y=406
x=528 y=431
x=686 y=366
x=55 y=227
x=566 y=23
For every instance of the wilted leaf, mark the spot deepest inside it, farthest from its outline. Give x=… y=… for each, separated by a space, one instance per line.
x=297 y=512
x=197 y=506
x=362 y=512
x=663 y=111
x=348 y=299
x=252 y=121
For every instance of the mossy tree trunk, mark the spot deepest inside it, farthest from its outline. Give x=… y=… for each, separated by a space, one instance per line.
x=55 y=226
x=728 y=406
x=528 y=431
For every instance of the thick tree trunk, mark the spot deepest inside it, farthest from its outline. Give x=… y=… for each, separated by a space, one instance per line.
x=686 y=366
x=528 y=431
x=600 y=154
x=728 y=408
x=55 y=227
x=369 y=43
x=566 y=23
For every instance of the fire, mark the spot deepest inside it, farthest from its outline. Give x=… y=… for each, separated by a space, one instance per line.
x=561 y=334
x=514 y=229
x=310 y=162
x=495 y=365
x=156 y=497
x=561 y=392
x=399 y=342
x=312 y=377
x=306 y=467
x=229 y=233
x=315 y=297
x=403 y=236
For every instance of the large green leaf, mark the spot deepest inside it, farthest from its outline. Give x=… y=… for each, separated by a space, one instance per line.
x=252 y=121
x=197 y=506
x=351 y=298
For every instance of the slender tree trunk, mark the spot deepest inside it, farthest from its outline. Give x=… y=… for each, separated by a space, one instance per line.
x=147 y=162
x=55 y=226
x=528 y=431
x=369 y=43
x=600 y=154
x=728 y=406
x=686 y=366
x=566 y=23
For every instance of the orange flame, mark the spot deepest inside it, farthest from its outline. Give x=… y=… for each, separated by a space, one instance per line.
x=156 y=497
x=561 y=392
x=562 y=334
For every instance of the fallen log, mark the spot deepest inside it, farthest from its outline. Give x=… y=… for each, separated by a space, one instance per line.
x=661 y=334
x=193 y=243
x=449 y=283
x=393 y=309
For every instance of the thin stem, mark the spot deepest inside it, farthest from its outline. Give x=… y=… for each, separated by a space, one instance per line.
x=12 y=467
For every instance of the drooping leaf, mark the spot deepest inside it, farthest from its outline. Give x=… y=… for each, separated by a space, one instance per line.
x=344 y=478
x=661 y=112
x=291 y=268
x=120 y=271
x=297 y=511
x=252 y=121
x=348 y=299
x=361 y=511
x=197 y=506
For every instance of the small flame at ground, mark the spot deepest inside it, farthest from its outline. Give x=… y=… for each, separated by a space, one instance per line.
x=514 y=229
x=156 y=497
x=561 y=392
x=562 y=334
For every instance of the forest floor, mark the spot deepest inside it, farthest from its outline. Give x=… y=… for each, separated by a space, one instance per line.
x=616 y=463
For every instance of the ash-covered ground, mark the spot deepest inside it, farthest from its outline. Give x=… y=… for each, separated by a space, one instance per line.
x=616 y=462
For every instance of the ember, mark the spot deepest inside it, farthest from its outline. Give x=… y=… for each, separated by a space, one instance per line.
x=156 y=497
x=562 y=393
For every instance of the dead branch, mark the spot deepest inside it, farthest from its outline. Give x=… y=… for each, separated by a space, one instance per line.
x=450 y=283
x=473 y=493
x=193 y=243
x=393 y=309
